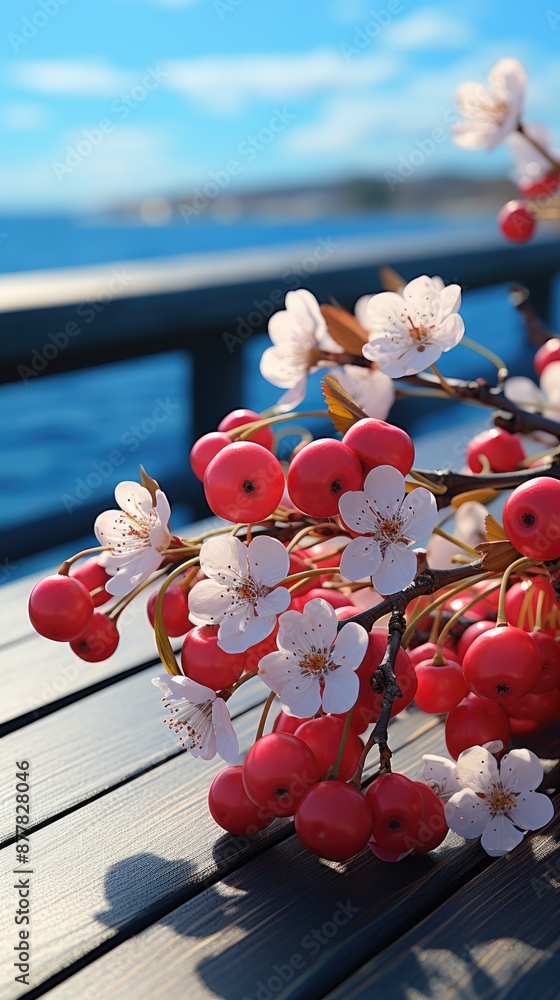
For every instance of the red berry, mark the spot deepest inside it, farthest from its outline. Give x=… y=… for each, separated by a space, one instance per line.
x=60 y=608
x=502 y=664
x=503 y=450
x=243 y=483
x=397 y=808
x=93 y=576
x=549 y=352
x=549 y=653
x=323 y=737
x=99 y=641
x=230 y=806
x=348 y=611
x=333 y=820
x=522 y=599
x=433 y=827
x=264 y=436
x=204 y=662
x=539 y=187
x=475 y=722
x=332 y=597
x=376 y=442
x=516 y=221
x=255 y=653
x=174 y=610
x=205 y=449
x=320 y=474
x=470 y=634
x=440 y=688
x=519 y=727
x=427 y=650
x=285 y=723
x=368 y=705
x=537 y=707
x=532 y=520
x=277 y=772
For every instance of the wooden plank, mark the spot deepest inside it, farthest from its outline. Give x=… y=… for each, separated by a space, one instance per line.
x=14 y=620
x=132 y=855
x=288 y=926
x=496 y=938
x=72 y=761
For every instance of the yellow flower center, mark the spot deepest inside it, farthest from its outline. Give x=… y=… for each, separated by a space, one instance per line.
x=500 y=801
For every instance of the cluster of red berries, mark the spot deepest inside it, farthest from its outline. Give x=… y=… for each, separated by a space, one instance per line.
x=244 y=482
x=281 y=776
x=518 y=218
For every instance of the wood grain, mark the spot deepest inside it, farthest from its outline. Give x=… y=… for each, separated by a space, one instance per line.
x=147 y=844
x=498 y=937
x=94 y=744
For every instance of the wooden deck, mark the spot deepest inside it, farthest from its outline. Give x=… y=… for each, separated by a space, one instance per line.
x=135 y=892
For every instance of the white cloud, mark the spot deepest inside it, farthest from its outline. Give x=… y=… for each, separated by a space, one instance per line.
x=430 y=28
x=23 y=116
x=83 y=78
x=225 y=83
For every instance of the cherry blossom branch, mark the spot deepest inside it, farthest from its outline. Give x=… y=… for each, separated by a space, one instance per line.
x=456 y=483
x=554 y=163
x=384 y=679
x=427 y=582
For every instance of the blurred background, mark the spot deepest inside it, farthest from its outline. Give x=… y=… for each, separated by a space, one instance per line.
x=198 y=143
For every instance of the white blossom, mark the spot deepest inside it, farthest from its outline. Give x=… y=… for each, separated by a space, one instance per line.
x=493 y=112
x=315 y=665
x=241 y=593
x=138 y=534
x=544 y=399
x=369 y=388
x=199 y=717
x=497 y=802
x=387 y=520
x=409 y=331
x=299 y=334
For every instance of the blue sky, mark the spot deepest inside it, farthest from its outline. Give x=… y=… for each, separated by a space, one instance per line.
x=181 y=86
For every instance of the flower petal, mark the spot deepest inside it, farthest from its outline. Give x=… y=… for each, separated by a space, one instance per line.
x=208 y=602
x=302 y=696
x=134 y=499
x=439 y=774
x=277 y=669
x=520 y=771
x=467 y=814
x=532 y=810
x=320 y=623
x=420 y=510
x=500 y=836
x=134 y=571
x=350 y=646
x=227 y=743
x=384 y=488
x=341 y=690
x=476 y=768
x=356 y=512
x=268 y=560
x=417 y=358
x=370 y=389
x=274 y=603
x=240 y=641
x=397 y=570
x=360 y=559
x=224 y=558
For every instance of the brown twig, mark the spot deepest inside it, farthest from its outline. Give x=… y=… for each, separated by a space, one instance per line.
x=385 y=678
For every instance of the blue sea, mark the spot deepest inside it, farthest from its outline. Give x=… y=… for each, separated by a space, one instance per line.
x=59 y=430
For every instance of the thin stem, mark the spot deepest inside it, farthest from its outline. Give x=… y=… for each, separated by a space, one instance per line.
x=540 y=603
x=164 y=647
x=332 y=773
x=310 y=574
x=457 y=541
x=264 y=714
x=496 y=360
x=244 y=431
x=125 y=601
x=386 y=671
x=555 y=164
x=306 y=531
x=514 y=567
x=65 y=567
x=435 y=604
x=439 y=657
x=442 y=381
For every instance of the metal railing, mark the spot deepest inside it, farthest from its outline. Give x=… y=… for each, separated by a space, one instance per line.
x=208 y=306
